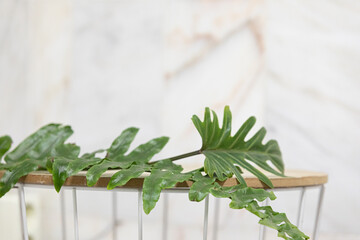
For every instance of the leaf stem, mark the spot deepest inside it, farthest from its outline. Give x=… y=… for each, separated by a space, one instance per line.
x=180 y=156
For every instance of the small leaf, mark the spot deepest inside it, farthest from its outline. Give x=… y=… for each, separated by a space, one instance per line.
x=122 y=143
x=124 y=175
x=224 y=192
x=242 y=197
x=161 y=178
x=277 y=221
x=95 y=172
x=5 y=144
x=201 y=187
x=40 y=144
x=10 y=178
x=65 y=167
x=144 y=152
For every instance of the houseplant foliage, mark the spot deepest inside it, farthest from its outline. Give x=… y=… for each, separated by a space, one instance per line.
x=225 y=156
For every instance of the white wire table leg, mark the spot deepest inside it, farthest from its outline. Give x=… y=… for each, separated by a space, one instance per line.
x=318 y=211
x=114 y=212
x=216 y=218
x=62 y=213
x=206 y=216
x=165 y=217
x=300 y=214
x=23 y=212
x=140 y=209
x=262 y=232
x=76 y=225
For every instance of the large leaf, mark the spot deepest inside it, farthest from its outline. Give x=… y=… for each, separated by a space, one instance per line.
x=226 y=154
x=5 y=144
x=116 y=157
x=40 y=144
x=164 y=174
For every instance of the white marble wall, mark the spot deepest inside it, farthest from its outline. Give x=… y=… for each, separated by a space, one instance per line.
x=102 y=66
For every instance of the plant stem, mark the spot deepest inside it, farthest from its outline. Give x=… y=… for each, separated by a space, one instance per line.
x=180 y=156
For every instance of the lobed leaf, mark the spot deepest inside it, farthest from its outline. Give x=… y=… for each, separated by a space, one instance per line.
x=124 y=175
x=64 y=167
x=95 y=172
x=201 y=187
x=19 y=169
x=40 y=144
x=277 y=221
x=164 y=174
x=116 y=158
x=244 y=196
x=226 y=154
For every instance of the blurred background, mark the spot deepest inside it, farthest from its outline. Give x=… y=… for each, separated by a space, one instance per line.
x=104 y=65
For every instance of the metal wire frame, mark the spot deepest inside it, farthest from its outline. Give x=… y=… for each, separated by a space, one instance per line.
x=262 y=233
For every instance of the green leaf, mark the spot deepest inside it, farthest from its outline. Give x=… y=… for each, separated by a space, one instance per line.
x=70 y=151
x=63 y=168
x=5 y=144
x=226 y=154
x=124 y=175
x=242 y=197
x=164 y=174
x=277 y=221
x=40 y=144
x=19 y=169
x=95 y=172
x=224 y=192
x=201 y=187
x=116 y=158
x=122 y=143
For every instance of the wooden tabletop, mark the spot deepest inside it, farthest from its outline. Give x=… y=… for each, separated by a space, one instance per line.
x=296 y=178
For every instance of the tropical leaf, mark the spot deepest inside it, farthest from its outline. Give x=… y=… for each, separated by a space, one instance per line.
x=277 y=221
x=64 y=167
x=123 y=176
x=244 y=196
x=11 y=177
x=201 y=187
x=164 y=174
x=40 y=144
x=226 y=154
x=116 y=157
x=32 y=153
x=5 y=144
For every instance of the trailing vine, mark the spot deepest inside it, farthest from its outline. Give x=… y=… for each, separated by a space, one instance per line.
x=225 y=157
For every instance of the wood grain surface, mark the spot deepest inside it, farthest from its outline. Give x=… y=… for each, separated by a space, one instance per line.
x=295 y=178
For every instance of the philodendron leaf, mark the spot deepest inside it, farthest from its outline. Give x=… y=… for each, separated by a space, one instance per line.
x=69 y=150
x=32 y=153
x=124 y=175
x=64 y=167
x=116 y=157
x=242 y=197
x=19 y=169
x=40 y=144
x=5 y=144
x=277 y=221
x=201 y=187
x=164 y=174
x=225 y=153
